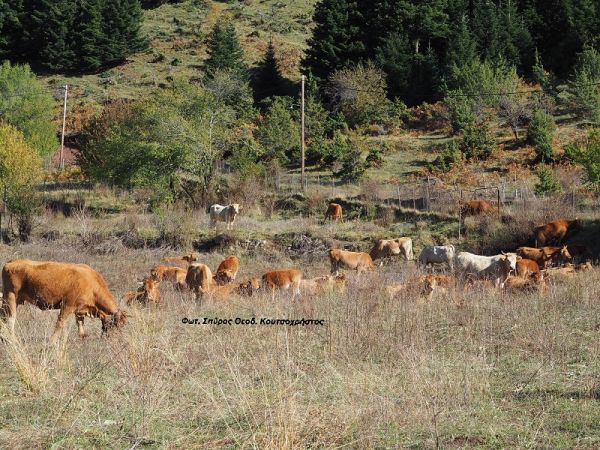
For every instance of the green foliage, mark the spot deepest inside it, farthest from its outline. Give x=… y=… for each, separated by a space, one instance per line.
x=353 y=165
x=547 y=182
x=460 y=111
x=25 y=104
x=65 y=35
x=587 y=153
x=269 y=81
x=224 y=50
x=328 y=152
x=376 y=156
x=540 y=133
x=279 y=131
x=359 y=93
x=173 y=135
x=585 y=86
x=246 y=156
x=478 y=143
x=232 y=88
x=447 y=159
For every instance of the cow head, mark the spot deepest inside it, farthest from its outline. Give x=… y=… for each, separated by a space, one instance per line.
x=236 y=207
x=249 y=287
x=510 y=261
x=115 y=320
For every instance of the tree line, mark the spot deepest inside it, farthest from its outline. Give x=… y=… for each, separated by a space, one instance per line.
x=67 y=35
x=418 y=44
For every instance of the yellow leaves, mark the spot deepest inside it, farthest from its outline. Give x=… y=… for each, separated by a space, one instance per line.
x=20 y=165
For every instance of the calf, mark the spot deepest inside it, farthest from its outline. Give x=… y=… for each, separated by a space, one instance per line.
x=147 y=292
x=476 y=208
x=527 y=268
x=386 y=248
x=558 y=255
x=227 y=270
x=199 y=280
x=283 y=280
x=175 y=275
x=188 y=259
x=538 y=255
x=71 y=288
x=342 y=259
x=321 y=284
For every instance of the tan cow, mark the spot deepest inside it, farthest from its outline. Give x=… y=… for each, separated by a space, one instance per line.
x=148 y=292
x=175 y=275
x=520 y=284
x=199 y=279
x=334 y=212
x=227 y=270
x=538 y=255
x=245 y=288
x=386 y=248
x=343 y=259
x=555 y=232
x=436 y=284
x=187 y=259
x=322 y=284
x=527 y=268
x=72 y=288
x=558 y=255
x=283 y=280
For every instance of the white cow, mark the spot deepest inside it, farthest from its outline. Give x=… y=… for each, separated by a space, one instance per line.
x=495 y=268
x=219 y=213
x=437 y=254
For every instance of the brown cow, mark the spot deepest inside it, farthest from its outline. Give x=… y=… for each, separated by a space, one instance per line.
x=558 y=255
x=284 y=280
x=318 y=285
x=430 y=284
x=245 y=288
x=72 y=288
x=199 y=280
x=538 y=255
x=555 y=232
x=385 y=248
x=175 y=275
x=342 y=259
x=527 y=268
x=334 y=212
x=520 y=284
x=227 y=270
x=188 y=259
x=475 y=208
x=147 y=292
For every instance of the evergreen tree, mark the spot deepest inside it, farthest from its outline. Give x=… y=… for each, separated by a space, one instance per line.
x=336 y=39
x=224 y=50
x=89 y=39
x=269 y=81
x=51 y=23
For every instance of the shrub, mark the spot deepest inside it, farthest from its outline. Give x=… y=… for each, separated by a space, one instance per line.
x=540 y=133
x=587 y=153
x=460 y=112
x=477 y=142
x=584 y=87
x=279 y=133
x=353 y=166
x=547 y=182
x=447 y=159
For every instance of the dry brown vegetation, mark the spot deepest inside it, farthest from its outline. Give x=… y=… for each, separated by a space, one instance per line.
x=476 y=369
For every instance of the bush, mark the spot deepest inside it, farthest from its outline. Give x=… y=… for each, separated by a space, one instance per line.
x=477 y=142
x=584 y=87
x=353 y=166
x=587 y=153
x=460 y=112
x=540 y=133
x=547 y=182
x=279 y=133
x=447 y=159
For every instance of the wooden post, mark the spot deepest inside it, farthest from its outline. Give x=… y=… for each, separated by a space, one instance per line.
x=62 y=138
x=498 y=189
x=302 y=148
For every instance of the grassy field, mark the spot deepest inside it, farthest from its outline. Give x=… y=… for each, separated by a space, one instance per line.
x=474 y=369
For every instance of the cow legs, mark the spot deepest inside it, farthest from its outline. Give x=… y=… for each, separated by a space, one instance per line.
x=9 y=308
x=80 y=319
x=60 y=323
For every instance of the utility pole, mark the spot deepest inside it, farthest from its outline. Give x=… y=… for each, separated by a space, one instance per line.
x=302 y=183
x=62 y=138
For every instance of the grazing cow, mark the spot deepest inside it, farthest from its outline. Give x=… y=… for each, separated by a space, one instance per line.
x=555 y=232
x=188 y=259
x=147 y=292
x=199 y=280
x=284 y=280
x=334 y=212
x=343 y=259
x=558 y=255
x=219 y=213
x=385 y=248
x=475 y=208
x=527 y=268
x=227 y=270
x=496 y=268
x=321 y=284
x=538 y=255
x=72 y=288
x=175 y=275
x=437 y=254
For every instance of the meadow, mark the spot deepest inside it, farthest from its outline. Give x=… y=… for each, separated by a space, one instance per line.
x=473 y=369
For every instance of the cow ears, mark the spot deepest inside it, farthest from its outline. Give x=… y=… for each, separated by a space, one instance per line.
x=519 y=258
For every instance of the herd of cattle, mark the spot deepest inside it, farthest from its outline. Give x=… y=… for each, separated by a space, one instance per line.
x=80 y=290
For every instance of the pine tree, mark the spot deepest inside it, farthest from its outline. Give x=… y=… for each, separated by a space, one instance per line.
x=90 y=41
x=224 y=50
x=336 y=39
x=269 y=80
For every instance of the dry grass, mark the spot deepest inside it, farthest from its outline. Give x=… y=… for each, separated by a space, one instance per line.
x=481 y=369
